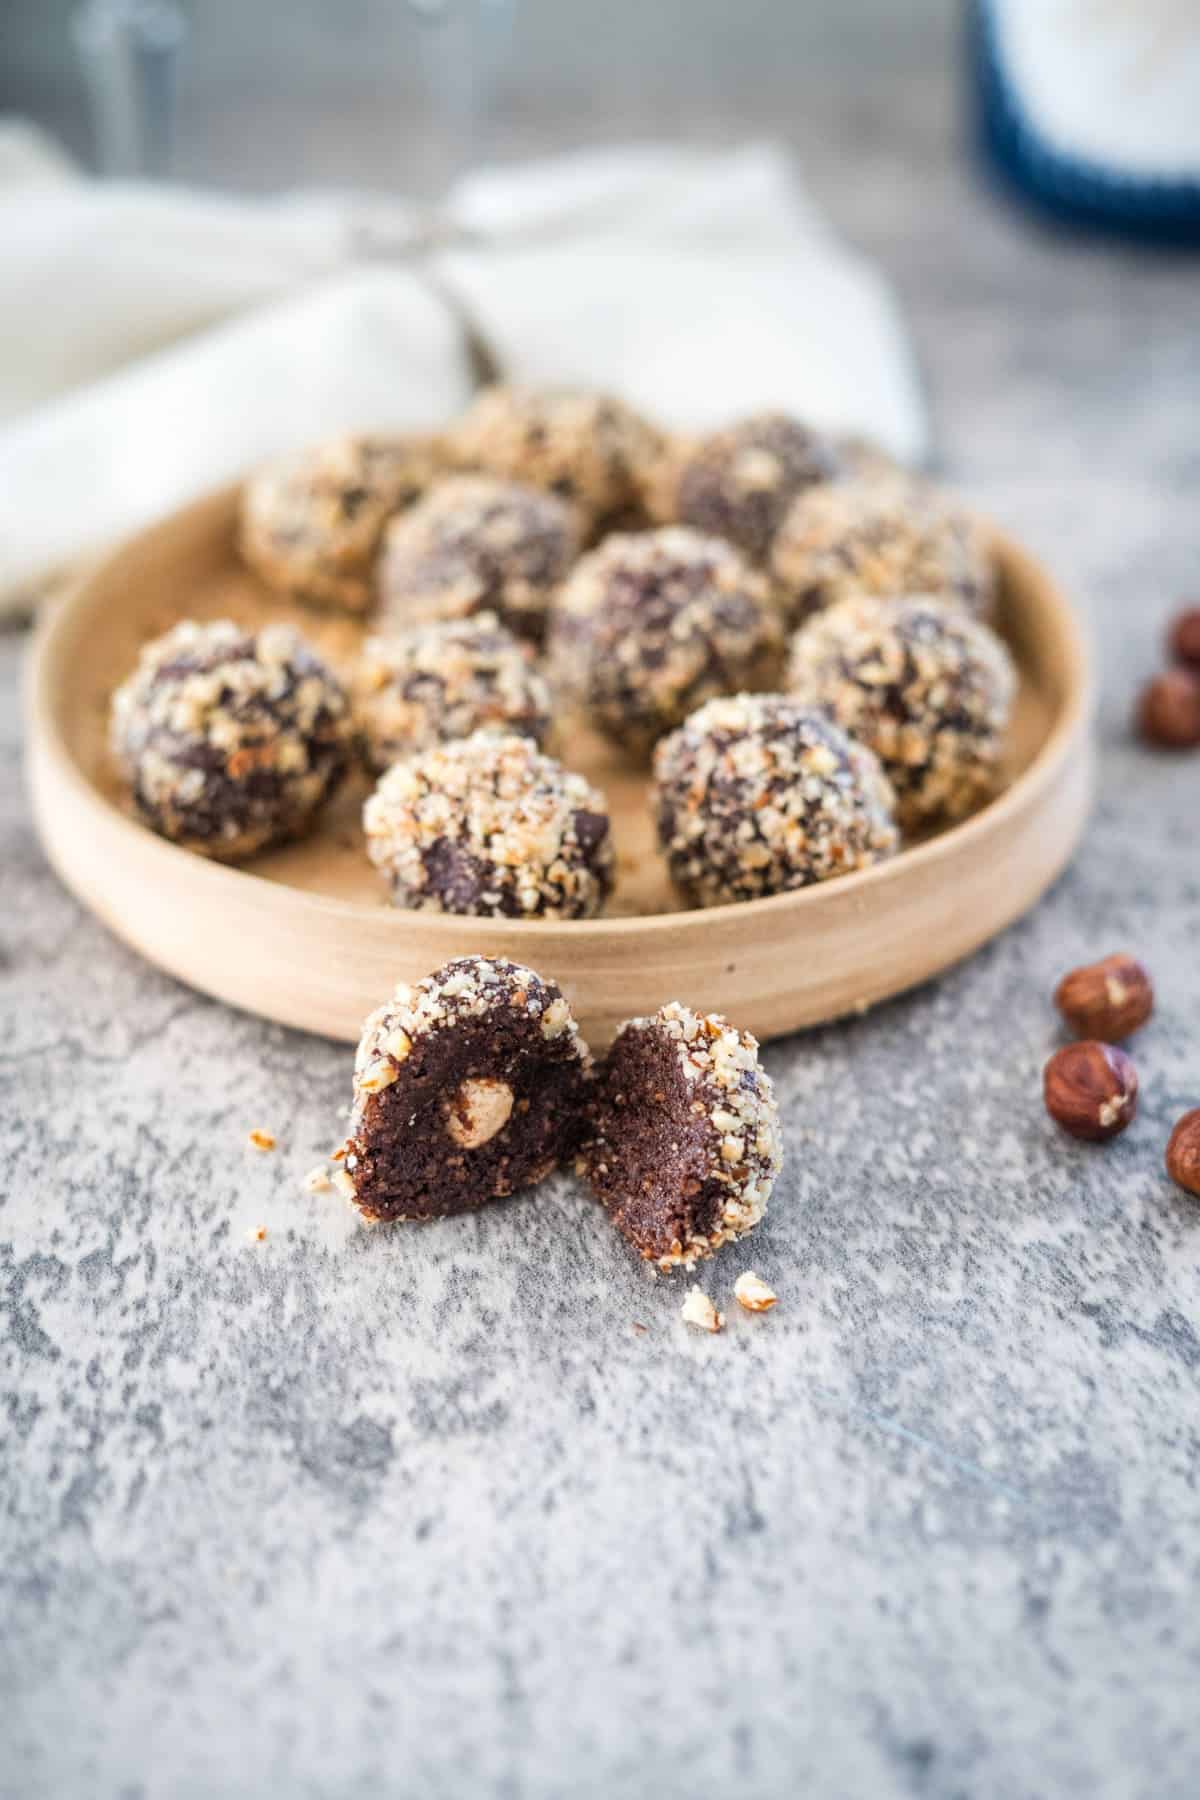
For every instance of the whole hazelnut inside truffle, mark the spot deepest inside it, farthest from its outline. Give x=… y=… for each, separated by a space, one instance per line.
x=478 y=1111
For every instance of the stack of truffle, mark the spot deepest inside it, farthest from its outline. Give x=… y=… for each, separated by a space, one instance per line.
x=791 y=629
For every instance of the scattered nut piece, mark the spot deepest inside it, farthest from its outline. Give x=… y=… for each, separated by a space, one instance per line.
x=752 y=1292
x=639 y=1328
x=1169 y=710
x=1091 y=1090
x=1184 y=640
x=262 y=1140
x=257 y=1234
x=699 y=1310
x=1183 y=1152
x=1108 y=999
x=317 y=1180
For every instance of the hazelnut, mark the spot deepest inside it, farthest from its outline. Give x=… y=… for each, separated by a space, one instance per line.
x=1108 y=999
x=1184 y=639
x=1169 y=710
x=698 y=1310
x=752 y=1292
x=1183 y=1152
x=1091 y=1089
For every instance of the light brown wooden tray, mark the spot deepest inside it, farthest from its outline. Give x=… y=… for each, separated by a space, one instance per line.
x=304 y=935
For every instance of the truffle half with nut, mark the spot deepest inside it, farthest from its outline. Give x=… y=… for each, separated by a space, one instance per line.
x=476 y=544
x=231 y=740
x=683 y=1143
x=311 y=523
x=651 y=625
x=738 y=483
x=1109 y=999
x=436 y=683
x=928 y=688
x=757 y=795
x=468 y=1087
x=1183 y=1152
x=491 y=826
x=1090 y=1090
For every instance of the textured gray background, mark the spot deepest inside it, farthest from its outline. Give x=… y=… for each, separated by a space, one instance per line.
x=420 y=1513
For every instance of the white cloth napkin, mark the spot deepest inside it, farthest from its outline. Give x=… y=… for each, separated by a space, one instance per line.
x=157 y=341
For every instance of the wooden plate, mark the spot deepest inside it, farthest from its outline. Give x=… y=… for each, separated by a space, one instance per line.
x=304 y=936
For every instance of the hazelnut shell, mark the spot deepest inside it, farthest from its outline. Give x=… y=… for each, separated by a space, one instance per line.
x=1183 y=1152
x=1108 y=999
x=1090 y=1090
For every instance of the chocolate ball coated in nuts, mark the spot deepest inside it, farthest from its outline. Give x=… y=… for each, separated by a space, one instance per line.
x=232 y=740
x=738 y=483
x=1108 y=1000
x=650 y=625
x=1183 y=1152
x=1091 y=1090
x=476 y=544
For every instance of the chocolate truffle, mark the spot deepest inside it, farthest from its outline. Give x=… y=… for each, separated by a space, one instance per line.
x=683 y=1142
x=758 y=794
x=586 y=447
x=926 y=686
x=473 y=543
x=491 y=826
x=435 y=683
x=311 y=524
x=467 y=1088
x=878 y=535
x=231 y=739
x=652 y=623
x=738 y=483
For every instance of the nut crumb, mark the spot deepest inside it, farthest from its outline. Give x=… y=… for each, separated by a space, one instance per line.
x=698 y=1310
x=317 y=1180
x=639 y=1328
x=262 y=1140
x=752 y=1292
x=257 y=1234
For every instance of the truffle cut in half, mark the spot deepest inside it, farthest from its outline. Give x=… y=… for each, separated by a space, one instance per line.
x=468 y=1087
x=683 y=1144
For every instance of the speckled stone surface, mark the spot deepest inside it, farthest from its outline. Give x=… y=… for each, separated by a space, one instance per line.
x=422 y=1513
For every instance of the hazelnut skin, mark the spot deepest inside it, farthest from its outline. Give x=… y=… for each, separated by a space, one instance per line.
x=1091 y=1090
x=1184 y=640
x=1169 y=710
x=1108 y=999
x=1183 y=1152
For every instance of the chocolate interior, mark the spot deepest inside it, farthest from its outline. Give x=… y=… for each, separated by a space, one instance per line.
x=410 y=1166
x=648 y=1158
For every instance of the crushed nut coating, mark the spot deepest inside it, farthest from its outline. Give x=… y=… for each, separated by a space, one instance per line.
x=436 y=683
x=476 y=543
x=652 y=624
x=751 y=1292
x=758 y=794
x=738 y=483
x=491 y=826
x=928 y=688
x=698 y=1310
x=873 y=534
x=311 y=524
x=587 y=447
x=231 y=740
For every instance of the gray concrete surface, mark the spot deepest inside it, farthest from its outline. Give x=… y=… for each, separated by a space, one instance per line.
x=423 y=1514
